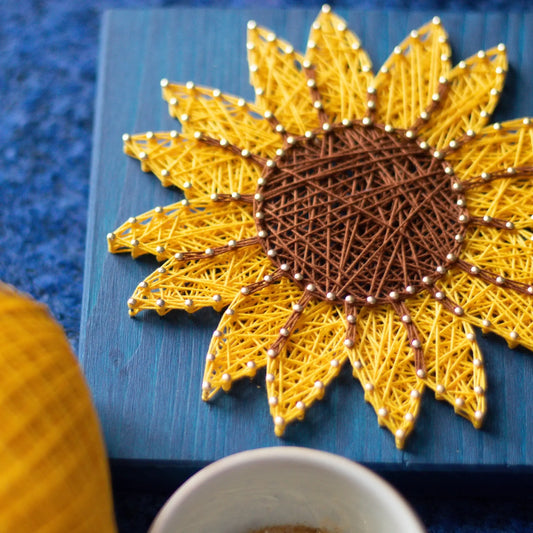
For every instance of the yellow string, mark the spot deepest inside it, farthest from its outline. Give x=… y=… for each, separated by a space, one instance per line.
x=416 y=93
x=191 y=285
x=247 y=329
x=279 y=81
x=383 y=362
x=408 y=78
x=309 y=361
x=343 y=69
x=180 y=160
x=197 y=225
x=474 y=87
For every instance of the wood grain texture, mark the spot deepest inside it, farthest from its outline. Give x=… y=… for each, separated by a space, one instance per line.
x=145 y=373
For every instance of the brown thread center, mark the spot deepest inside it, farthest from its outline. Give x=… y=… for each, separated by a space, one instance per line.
x=359 y=211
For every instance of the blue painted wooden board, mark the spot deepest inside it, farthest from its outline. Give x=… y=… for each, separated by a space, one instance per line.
x=145 y=373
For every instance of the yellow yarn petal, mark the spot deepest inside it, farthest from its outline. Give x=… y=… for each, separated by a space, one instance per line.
x=384 y=364
x=220 y=116
x=343 y=69
x=206 y=282
x=495 y=148
x=454 y=364
x=410 y=76
x=473 y=90
x=507 y=253
x=194 y=166
x=55 y=476
x=279 y=81
x=202 y=224
x=247 y=329
x=506 y=199
x=310 y=360
x=497 y=309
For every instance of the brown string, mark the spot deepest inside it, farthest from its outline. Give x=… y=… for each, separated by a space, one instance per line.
x=443 y=299
x=412 y=334
x=371 y=101
x=192 y=256
x=498 y=223
x=494 y=279
x=244 y=198
x=275 y=123
x=350 y=312
x=229 y=147
x=258 y=285
x=280 y=342
x=359 y=211
x=420 y=121
x=310 y=74
x=479 y=180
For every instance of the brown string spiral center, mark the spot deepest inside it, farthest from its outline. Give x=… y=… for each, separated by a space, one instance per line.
x=359 y=211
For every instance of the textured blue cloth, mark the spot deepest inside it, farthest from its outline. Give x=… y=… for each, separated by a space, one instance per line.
x=48 y=59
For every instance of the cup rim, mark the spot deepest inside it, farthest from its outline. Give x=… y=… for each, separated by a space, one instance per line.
x=326 y=460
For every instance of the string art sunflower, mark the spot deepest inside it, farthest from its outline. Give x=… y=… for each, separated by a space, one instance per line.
x=345 y=216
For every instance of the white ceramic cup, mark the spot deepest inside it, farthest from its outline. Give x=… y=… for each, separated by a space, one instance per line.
x=285 y=486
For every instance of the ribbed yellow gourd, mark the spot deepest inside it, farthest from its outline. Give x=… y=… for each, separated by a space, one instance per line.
x=54 y=474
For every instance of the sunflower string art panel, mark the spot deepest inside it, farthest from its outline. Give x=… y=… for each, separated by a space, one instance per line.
x=345 y=217
x=339 y=256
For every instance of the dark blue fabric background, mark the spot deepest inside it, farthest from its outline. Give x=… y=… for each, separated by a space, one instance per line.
x=48 y=61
